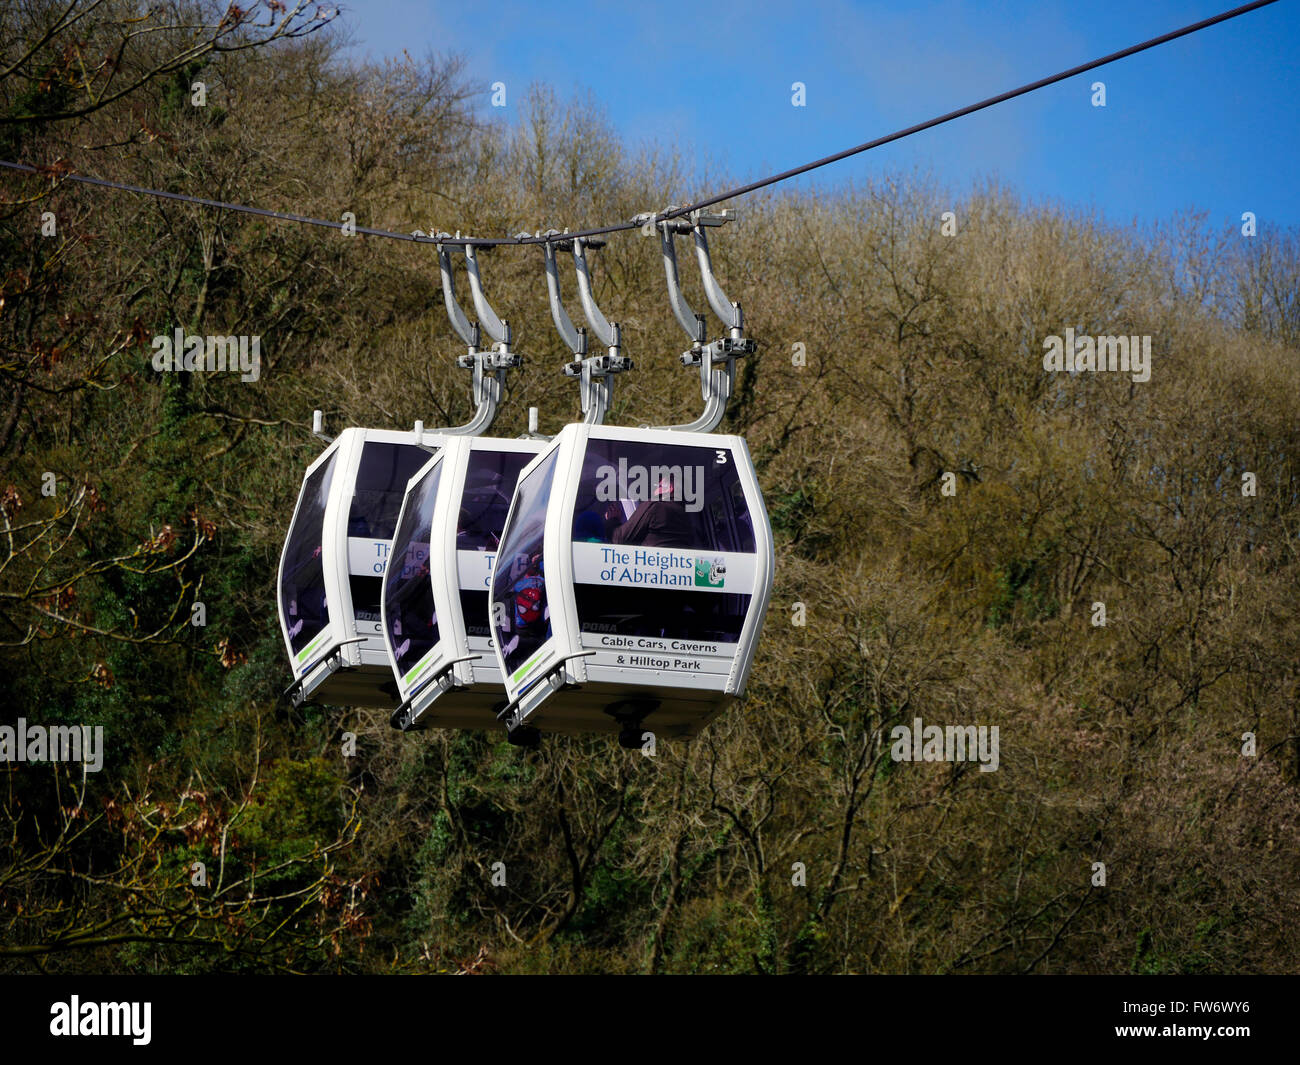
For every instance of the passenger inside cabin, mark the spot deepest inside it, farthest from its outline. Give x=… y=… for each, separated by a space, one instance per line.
x=660 y=522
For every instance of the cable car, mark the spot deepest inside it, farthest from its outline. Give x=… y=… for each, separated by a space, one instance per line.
x=631 y=584
x=435 y=592
x=331 y=570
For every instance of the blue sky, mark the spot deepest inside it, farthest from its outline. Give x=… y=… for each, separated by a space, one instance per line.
x=1208 y=122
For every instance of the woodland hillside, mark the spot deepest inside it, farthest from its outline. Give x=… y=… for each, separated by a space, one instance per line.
x=890 y=355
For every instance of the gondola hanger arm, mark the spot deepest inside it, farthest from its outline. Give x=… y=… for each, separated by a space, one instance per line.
x=497 y=329
x=487 y=368
x=606 y=332
x=468 y=332
x=575 y=341
x=715 y=361
x=687 y=318
x=595 y=373
x=727 y=311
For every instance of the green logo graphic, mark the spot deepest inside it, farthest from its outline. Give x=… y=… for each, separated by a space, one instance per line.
x=710 y=572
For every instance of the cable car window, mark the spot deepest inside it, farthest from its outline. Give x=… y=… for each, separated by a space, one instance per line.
x=661 y=613
x=647 y=494
x=523 y=620
x=408 y=594
x=302 y=580
x=741 y=512
x=381 y=483
x=720 y=528
x=490 y=479
x=489 y=486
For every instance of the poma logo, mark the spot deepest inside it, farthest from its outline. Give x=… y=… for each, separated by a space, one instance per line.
x=102 y=1018
x=191 y=353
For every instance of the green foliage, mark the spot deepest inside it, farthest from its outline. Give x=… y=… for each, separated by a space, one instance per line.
x=297 y=806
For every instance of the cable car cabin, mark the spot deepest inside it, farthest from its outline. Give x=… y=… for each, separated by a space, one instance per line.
x=629 y=593
x=435 y=597
x=331 y=572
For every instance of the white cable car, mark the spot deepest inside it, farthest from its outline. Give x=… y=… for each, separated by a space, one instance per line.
x=331 y=571
x=435 y=597
x=435 y=600
x=636 y=565
x=632 y=581
x=332 y=567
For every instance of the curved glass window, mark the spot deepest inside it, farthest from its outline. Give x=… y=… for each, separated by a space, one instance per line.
x=645 y=494
x=489 y=486
x=408 y=590
x=382 y=476
x=381 y=482
x=302 y=578
x=523 y=620
x=490 y=481
x=683 y=503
